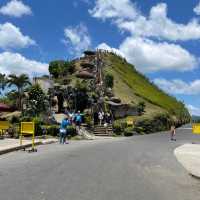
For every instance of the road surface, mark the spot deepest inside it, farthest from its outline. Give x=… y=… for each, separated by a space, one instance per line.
x=137 y=168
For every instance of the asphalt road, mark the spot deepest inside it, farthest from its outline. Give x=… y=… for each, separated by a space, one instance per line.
x=137 y=168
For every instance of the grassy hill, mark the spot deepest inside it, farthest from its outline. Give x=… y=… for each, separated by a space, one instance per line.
x=132 y=87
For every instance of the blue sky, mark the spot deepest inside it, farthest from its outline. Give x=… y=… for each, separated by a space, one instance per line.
x=161 y=38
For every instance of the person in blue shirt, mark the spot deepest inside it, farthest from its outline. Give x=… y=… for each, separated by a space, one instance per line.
x=63 y=130
x=78 y=120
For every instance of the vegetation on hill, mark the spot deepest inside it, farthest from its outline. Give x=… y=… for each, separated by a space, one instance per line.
x=128 y=80
x=80 y=85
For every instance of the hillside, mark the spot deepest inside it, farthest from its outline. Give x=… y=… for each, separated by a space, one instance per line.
x=131 y=87
x=103 y=81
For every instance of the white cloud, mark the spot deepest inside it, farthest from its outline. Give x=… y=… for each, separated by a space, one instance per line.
x=125 y=15
x=104 y=46
x=18 y=64
x=178 y=86
x=77 y=39
x=124 y=9
x=148 y=46
x=149 y=56
x=12 y=37
x=193 y=110
x=15 y=8
x=197 y=9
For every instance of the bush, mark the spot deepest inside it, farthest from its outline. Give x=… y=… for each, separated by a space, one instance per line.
x=128 y=132
x=160 y=122
x=88 y=120
x=14 y=120
x=52 y=130
x=117 y=128
x=109 y=80
x=141 y=107
x=38 y=126
x=71 y=130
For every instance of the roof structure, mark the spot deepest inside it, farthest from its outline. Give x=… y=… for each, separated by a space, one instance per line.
x=5 y=108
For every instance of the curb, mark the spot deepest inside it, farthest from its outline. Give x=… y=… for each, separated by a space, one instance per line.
x=188 y=156
x=17 y=148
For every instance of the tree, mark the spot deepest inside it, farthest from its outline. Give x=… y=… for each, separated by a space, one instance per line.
x=37 y=101
x=3 y=82
x=80 y=96
x=109 y=80
x=141 y=107
x=21 y=82
x=55 y=68
x=60 y=68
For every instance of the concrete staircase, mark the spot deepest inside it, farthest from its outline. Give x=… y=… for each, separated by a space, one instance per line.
x=101 y=130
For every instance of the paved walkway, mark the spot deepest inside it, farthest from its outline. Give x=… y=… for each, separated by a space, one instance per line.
x=9 y=145
x=189 y=156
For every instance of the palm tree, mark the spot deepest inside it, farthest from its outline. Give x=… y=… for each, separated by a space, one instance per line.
x=20 y=82
x=3 y=82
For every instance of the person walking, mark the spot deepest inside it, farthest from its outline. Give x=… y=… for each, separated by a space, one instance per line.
x=101 y=117
x=78 y=120
x=63 y=130
x=173 y=133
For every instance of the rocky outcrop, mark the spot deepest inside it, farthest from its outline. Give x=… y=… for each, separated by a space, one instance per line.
x=122 y=110
x=85 y=75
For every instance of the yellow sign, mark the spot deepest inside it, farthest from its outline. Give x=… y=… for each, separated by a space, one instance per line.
x=130 y=121
x=4 y=125
x=28 y=128
x=196 y=128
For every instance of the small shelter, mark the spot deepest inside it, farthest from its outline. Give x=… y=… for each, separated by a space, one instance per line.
x=5 y=108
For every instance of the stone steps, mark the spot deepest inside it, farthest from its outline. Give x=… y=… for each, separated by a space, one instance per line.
x=100 y=130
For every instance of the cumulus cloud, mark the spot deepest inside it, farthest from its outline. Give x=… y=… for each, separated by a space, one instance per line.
x=104 y=46
x=15 y=8
x=197 y=9
x=128 y=18
x=149 y=56
x=104 y=9
x=18 y=64
x=193 y=110
x=178 y=86
x=77 y=39
x=150 y=37
x=12 y=37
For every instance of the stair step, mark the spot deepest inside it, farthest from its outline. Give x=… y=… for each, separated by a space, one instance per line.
x=108 y=133
x=101 y=125
x=103 y=130
x=103 y=135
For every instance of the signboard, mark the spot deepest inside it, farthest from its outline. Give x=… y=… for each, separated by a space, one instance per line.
x=196 y=128
x=130 y=121
x=4 y=125
x=28 y=128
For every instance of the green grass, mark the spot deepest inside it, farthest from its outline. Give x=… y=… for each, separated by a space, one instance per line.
x=138 y=85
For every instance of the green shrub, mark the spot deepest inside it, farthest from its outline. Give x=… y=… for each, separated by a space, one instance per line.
x=52 y=130
x=141 y=107
x=71 y=130
x=109 y=80
x=14 y=120
x=88 y=120
x=38 y=125
x=117 y=128
x=128 y=132
x=160 y=122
